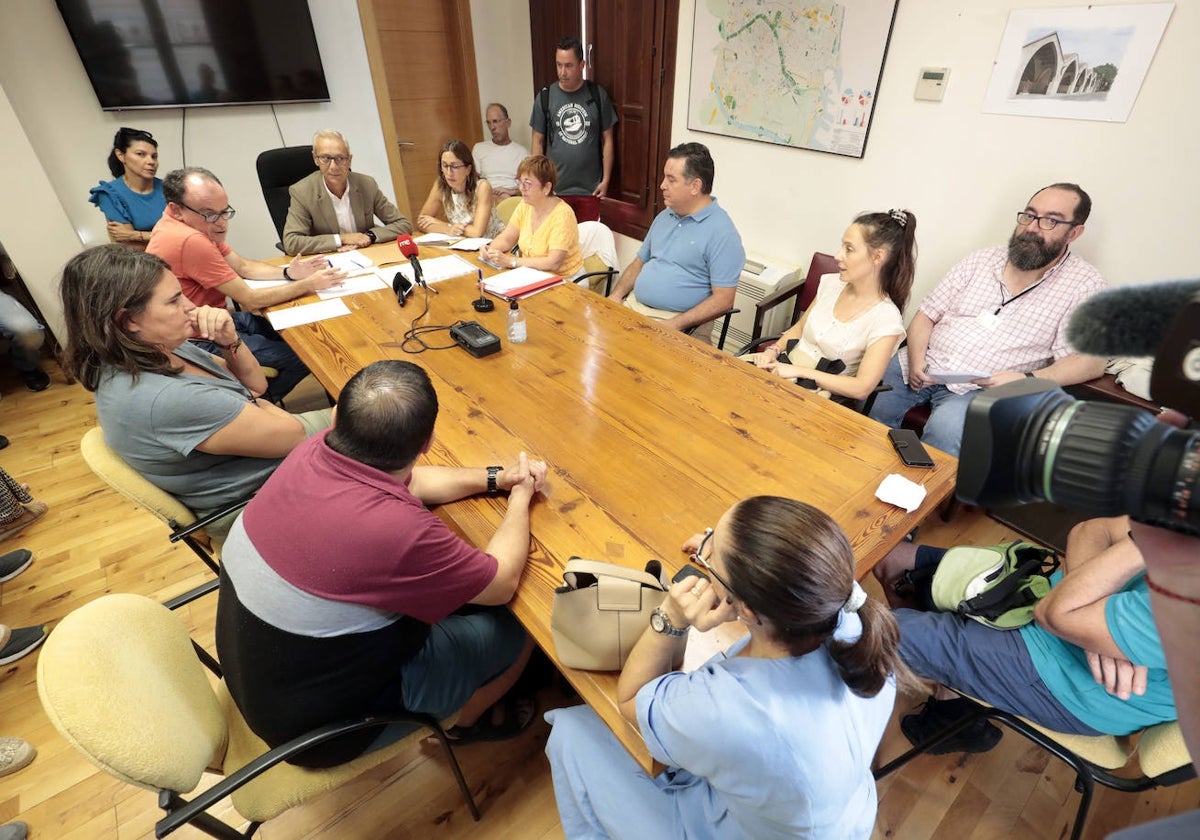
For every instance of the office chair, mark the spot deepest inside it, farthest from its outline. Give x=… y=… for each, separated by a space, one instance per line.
x=119 y=680
x=1161 y=755
x=278 y=169
x=724 y=318
x=185 y=526
x=506 y=208
x=805 y=292
x=599 y=250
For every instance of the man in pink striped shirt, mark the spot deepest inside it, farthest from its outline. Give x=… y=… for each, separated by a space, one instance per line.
x=999 y=314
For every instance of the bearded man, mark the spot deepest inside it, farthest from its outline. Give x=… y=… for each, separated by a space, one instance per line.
x=998 y=315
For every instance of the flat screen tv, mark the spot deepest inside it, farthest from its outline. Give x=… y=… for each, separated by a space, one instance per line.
x=186 y=53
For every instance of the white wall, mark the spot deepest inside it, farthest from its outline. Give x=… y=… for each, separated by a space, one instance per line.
x=501 y=32
x=965 y=173
x=55 y=107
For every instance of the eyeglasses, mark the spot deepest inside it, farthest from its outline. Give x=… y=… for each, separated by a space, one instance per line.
x=1025 y=218
x=452 y=167
x=697 y=555
x=227 y=213
x=528 y=183
x=340 y=160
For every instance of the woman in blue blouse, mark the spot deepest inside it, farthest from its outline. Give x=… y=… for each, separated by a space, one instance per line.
x=773 y=738
x=133 y=201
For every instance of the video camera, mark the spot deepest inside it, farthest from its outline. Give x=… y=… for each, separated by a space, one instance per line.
x=1028 y=441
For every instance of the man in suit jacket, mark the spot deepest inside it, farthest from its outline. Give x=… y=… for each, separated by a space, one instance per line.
x=335 y=209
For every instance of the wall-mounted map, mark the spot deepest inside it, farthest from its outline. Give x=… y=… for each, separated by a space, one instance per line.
x=801 y=74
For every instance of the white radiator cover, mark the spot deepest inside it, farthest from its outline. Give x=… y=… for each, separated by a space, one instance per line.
x=760 y=278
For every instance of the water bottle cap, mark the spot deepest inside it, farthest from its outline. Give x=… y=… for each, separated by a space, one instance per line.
x=512 y=304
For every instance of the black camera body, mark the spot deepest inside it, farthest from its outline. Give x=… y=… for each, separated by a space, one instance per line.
x=1028 y=441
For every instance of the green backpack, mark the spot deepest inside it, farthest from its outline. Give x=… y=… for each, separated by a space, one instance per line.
x=996 y=585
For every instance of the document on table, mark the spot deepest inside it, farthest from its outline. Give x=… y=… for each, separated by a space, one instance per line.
x=434 y=270
x=435 y=239
x=520 y=282
x=309 y=313
x=352 y=262
x=265 y=284
x=956 y=377
x=472 y=244
x=358 y=283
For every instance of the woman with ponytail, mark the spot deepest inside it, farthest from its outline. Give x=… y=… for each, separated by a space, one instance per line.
x=773 y=738
x=858 y=319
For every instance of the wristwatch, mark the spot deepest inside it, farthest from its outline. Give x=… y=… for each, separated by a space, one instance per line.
x=492 y=473
x=1029 y=374
x=371 y=235
x=659 y=623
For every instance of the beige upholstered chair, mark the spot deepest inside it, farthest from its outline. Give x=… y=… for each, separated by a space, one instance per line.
x=184 y=525
x=119 y=680
x=1159 y=753
x=507 y=207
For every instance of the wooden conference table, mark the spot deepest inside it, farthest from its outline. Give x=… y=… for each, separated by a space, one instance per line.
x=649 y=436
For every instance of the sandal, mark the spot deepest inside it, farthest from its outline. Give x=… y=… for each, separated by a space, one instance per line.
x=519 y=713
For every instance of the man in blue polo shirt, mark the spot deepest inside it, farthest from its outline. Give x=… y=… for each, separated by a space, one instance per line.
x=1091 y=662
x=686 y=272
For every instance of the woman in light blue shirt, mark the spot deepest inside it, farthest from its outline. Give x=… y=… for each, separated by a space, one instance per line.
x=773 y=738
x=133 y=201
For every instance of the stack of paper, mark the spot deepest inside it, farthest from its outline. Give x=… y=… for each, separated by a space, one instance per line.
x=435 y=239
x=520 y=282
x=436 y=269
x=472 y=244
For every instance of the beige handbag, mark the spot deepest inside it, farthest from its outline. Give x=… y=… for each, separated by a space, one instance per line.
x=602 y=610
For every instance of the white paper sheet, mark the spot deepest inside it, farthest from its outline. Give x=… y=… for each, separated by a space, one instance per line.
x=435 y=239
x=472 y=244
x=897 y=490
x=357 y=284
x=310 y=313
x=956 y=377
x=434 y=270
x=351 y=262
x=265 y=284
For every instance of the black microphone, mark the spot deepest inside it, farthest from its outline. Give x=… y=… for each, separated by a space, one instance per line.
x=1129 y=320
x=409 y=249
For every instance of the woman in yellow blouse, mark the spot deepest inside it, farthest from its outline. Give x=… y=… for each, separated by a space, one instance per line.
x=543 y=225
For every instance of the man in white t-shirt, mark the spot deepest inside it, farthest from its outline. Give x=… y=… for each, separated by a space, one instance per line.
x=497 y=159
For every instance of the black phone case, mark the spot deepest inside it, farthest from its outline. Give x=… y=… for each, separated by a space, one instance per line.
x=688 y=571
x=908 y=446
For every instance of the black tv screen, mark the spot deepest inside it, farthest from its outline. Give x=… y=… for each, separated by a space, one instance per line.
x=184 y=53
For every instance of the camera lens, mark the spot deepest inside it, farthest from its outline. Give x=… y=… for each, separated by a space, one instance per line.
x=1029 y=442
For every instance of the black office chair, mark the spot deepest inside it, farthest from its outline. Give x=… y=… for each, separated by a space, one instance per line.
x=278 y=169
x=724 y=317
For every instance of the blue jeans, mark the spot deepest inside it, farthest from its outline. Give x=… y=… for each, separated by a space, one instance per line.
x=270 y=349
x=23 y=331
x=944 y=428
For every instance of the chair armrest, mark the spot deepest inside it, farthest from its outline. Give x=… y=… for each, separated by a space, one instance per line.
x=770 y=302
x=178 y=534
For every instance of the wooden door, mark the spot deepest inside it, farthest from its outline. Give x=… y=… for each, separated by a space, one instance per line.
x=423 y=65
x=630 y=51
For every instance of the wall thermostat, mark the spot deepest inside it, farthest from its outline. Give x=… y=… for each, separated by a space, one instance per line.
x=931 y=83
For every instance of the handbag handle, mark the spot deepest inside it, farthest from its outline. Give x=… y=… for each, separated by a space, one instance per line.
x=598 y=568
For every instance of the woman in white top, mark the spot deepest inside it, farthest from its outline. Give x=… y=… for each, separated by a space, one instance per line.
x=460 y=203
x=856 y=318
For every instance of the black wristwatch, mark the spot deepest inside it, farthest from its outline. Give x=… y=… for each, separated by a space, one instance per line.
x=371 y=235
x=492 y=473
x=286 y=276
x=659 y=623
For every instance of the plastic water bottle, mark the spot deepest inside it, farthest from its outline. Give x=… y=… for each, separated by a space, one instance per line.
x=517 y=331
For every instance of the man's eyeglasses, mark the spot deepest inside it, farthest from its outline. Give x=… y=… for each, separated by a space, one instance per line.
x=1025 y=218
x=340 y=160
x=698 y=556
x=452 y=167
x=227 y=213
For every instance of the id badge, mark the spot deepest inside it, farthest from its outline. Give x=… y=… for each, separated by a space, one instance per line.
x=988 y=319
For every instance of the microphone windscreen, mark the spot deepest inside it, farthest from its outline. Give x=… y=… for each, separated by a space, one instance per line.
x=1129 y=320
x=407 y=247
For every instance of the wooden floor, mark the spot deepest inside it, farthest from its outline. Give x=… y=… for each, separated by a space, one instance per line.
x=92 y=542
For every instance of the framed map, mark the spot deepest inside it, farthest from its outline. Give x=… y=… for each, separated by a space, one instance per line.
x=796 y=73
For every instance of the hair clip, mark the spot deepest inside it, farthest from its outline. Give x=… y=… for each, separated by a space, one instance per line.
x=900 y=217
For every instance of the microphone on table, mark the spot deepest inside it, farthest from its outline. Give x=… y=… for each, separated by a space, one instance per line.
x=1128 y=320
x=409 y=249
